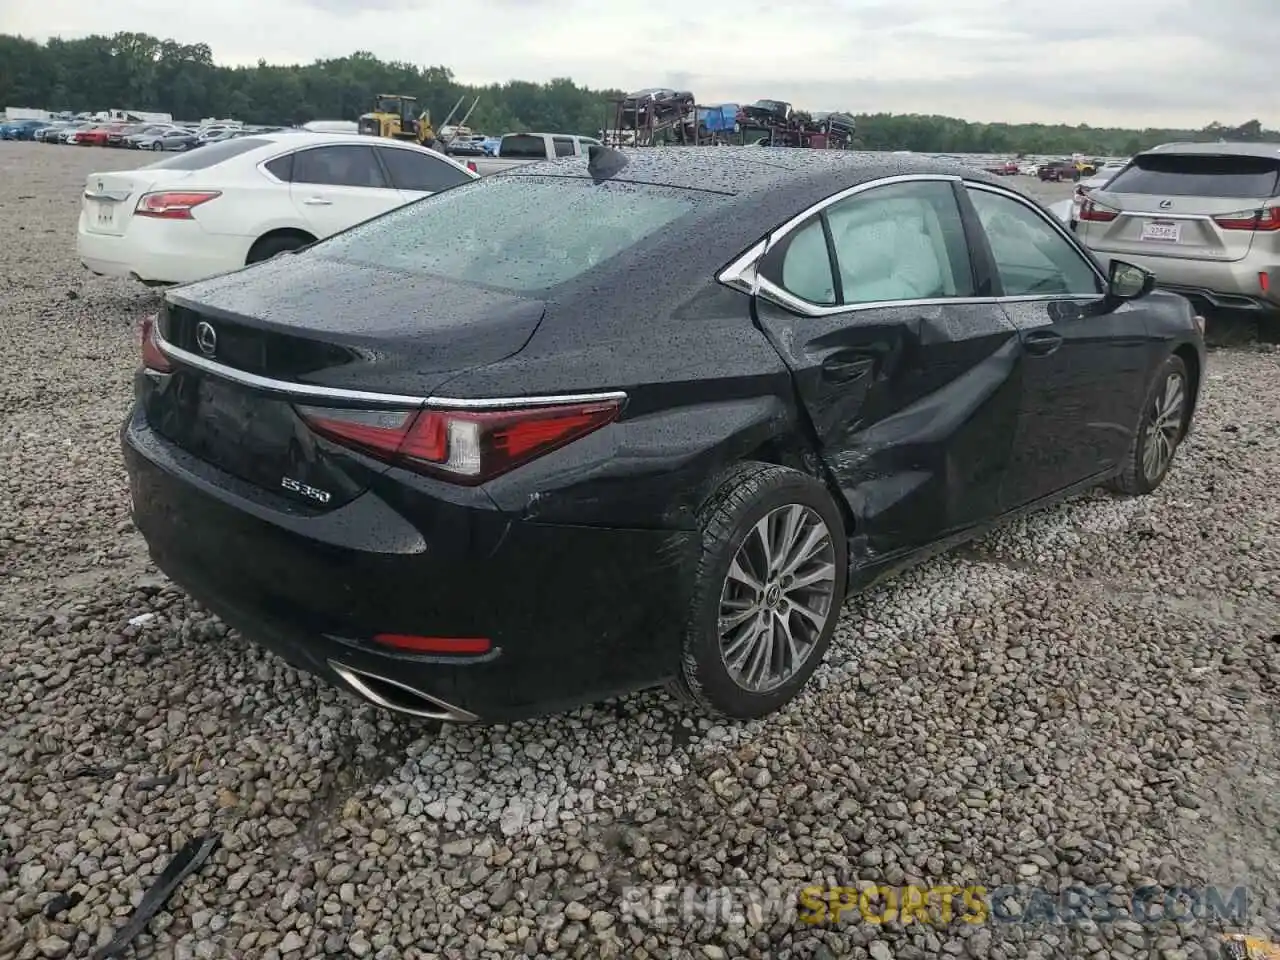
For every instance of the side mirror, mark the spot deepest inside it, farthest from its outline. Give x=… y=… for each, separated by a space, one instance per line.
x=1129 y=282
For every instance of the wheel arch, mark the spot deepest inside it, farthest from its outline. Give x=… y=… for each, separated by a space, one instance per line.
x=1190 y=358
x=303 y=235
x=798 y=451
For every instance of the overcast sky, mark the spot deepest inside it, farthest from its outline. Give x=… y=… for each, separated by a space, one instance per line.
x=1103 y=62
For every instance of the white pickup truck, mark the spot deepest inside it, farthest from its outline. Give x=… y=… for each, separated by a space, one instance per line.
x=518 y=149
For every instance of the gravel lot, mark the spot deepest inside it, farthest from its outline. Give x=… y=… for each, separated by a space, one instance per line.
x=1086 y=697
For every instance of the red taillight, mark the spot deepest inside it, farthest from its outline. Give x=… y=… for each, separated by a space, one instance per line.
x=1095 y=212
x=471 y=165
x=173 y=204
x=415 y=644
x=1266 y=220
x=465 y=446
x=153 y=357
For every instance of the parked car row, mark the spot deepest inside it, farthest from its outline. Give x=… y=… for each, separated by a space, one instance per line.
x=125 y=135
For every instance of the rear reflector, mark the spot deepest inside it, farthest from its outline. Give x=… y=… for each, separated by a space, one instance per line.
x=1266 y=220
x=464 y=446
x=173 y=205
x=1095 y=212
x=153 y=357
x=408 y=642
x=1264 y=281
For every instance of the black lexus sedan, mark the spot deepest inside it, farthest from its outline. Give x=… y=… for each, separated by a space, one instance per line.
x=640 y=419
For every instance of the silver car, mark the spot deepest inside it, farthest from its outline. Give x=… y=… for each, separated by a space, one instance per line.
x=1203 y=217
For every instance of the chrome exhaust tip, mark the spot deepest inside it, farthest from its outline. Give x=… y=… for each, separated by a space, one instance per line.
x=399 y=697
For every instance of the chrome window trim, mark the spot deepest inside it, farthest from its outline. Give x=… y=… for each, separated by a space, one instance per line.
x=307 y=391
x=741 y=274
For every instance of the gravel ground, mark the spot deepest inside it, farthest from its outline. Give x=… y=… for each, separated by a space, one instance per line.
x=1086 y=697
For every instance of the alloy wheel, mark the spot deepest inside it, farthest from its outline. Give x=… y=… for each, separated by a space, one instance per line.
x=1164 y=425
x=777 y=597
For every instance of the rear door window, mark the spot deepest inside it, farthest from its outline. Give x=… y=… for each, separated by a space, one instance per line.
x=901 y=242
x=338 y=166
x=210 y=154
x=420 y=172
x=564 y=146
x=1192 y=175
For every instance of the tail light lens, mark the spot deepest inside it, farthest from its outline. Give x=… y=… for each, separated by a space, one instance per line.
x=1095 y=212
x=153 y=357
x=465 y=446
x=1266 y=220
x=173 y=205
x=471 y=165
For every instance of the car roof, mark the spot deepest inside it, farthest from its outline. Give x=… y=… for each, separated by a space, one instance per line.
x=756 y=171
x=1220 y=149
x=298 y=139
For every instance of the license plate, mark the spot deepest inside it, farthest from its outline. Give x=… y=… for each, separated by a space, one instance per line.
x=104 y=214
x=1165 y=231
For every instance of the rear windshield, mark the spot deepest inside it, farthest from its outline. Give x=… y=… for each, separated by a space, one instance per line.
x=520 y=234
x=523 y=145
x=204 y=157
x=1188 y=175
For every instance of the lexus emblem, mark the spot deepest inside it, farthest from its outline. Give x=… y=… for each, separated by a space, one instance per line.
x=1166 y=204
x=206 y=338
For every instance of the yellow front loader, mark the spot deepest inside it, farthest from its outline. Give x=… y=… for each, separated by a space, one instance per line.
x=397 y=118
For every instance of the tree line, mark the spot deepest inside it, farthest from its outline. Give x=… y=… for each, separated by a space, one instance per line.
x=138 y=71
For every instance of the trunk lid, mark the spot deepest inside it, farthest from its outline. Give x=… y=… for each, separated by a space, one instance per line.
x=1167 y=203
x=314 y=324
x=110 y=199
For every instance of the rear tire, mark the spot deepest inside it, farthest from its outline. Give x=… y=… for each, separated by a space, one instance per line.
x=1161 y=428
x=268 y=247
x=769 y=585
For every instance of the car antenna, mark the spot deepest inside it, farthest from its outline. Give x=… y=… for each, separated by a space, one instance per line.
x=603 y=163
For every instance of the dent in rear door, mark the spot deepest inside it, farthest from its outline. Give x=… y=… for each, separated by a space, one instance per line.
x=913 y=396
x=337 y=186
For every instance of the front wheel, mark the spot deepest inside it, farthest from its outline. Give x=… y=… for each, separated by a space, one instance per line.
x=769 y=585
x=157 y=146
x=1161 y=428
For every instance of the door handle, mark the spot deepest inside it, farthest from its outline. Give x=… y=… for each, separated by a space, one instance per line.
x=842 y=368
x=1042 y=343
x=317 y=202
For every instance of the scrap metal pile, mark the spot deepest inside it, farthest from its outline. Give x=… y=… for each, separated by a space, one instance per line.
x=662 y=115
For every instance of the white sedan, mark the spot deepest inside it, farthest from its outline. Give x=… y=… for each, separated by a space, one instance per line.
x=228 y=204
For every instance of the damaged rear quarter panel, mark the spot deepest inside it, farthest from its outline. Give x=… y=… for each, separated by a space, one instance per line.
x=708 y=393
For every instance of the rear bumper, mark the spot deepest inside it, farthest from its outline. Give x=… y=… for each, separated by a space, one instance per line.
x=1234 y=285
x=159 y=251
x=575 y=614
